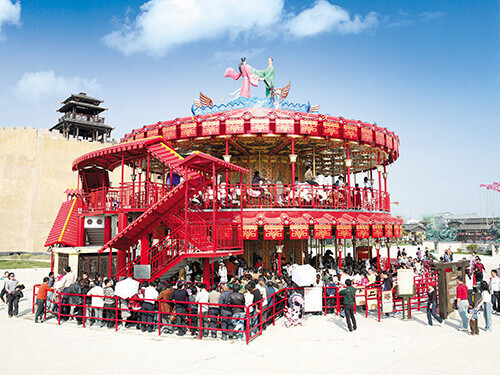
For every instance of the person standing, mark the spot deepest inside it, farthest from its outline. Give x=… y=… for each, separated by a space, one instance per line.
x=12 y=298
x=180 y=296
x=202 y=298
x=237 y=302
x=41 y=297
x=387 y=284
x=462 y=303
x=166 y=307
x=109 y=303
x=485 y=302
x=213 y=310
x=495 y=291
x=222 y=273
x=150 y=296
x=97 y=303
x=432 y=304
x=349 y=293
x=225 y=313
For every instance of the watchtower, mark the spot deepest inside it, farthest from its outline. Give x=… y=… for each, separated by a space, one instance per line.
x=81 y=119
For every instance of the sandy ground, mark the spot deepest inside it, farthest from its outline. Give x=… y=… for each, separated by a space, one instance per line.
x=392 y=346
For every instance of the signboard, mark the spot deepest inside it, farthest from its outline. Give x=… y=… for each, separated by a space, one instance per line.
x=405 y=282
x=451 y=288
x=313 y=299
x=142 y=271
x=371 y=299
x=360 y=296
x=387 y=303
x=363 y=252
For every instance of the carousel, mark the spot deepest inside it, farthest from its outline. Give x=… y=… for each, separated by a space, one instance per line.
x=262 y=179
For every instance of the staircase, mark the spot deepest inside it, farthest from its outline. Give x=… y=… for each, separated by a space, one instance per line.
x=191 y=235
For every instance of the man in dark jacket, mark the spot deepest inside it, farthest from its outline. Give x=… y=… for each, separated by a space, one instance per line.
x=75 y=292
x=180 y=296
x=237 y=301
x=225 y=312
x=349 y=294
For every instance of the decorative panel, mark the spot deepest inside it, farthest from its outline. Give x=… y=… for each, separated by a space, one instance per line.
x=211 y=127
x=235 y=126
x=250 y=232
x=379 y=138
x=322 y=231
x=362 y=231
x=169 y=132
x=377 y=231
x=299 y=232
x=351 y=132
x=331 y=129
x=274 y=232
x=259 y=125
x=188 y=130
x=309 y=127
x=388 y=230
x=344 y=231
x=366 y=135
x=284 y=125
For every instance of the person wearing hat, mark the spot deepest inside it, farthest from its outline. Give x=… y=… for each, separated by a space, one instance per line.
x=222 y=273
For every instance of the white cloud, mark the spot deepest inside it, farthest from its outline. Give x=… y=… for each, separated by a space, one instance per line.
x=10 y=13
x=228 y=56
x=165 y=24
x=324 y=17
x=44 y=84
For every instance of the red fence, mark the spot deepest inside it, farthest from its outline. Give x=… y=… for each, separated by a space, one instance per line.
x=202 y=319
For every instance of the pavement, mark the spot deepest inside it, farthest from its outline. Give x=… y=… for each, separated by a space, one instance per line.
x=323 y=344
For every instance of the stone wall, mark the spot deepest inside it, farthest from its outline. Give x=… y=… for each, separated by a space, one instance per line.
x=35 y=170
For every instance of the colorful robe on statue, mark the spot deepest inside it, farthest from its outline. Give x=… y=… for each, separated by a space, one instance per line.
x=268 y=77
x=249 y=78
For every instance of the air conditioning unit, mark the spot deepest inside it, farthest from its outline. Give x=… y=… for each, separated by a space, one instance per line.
x=94 y=222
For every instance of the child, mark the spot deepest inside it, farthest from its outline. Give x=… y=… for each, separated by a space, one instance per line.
x=473 y=314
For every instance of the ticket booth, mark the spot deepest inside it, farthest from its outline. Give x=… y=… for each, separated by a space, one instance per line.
x=447 y=283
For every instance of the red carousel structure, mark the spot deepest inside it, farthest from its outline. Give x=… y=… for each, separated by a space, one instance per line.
x=258 y=178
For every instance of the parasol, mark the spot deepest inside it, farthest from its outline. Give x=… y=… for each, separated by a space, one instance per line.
x=304 y=275
x=126 y=288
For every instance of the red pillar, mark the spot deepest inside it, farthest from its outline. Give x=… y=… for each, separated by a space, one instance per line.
x=340 y=254
x=388 y=256
x=378 y=259
x=81 y=231
x=107 y=229
x=379 y=170
x=348 y=165
x=145 y=249
x=293 y=161
x=121 y=255
x=206 y=272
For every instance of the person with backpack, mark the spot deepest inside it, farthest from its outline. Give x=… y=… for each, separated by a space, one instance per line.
x=349 y=293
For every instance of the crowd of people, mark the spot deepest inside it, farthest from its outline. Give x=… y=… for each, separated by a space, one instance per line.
x=185 y=304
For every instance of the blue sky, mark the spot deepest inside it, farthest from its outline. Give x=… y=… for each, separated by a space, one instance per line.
x=428 y=70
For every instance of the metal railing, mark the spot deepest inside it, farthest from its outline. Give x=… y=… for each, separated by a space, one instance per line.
x=301 y=196
x=202 y=319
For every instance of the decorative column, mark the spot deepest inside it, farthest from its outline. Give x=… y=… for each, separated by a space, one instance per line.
x=379 y=170
x=377 y=247
x=386 y=200
x=293 y=159
x=81 y=231
x=348 y=163
x=279 y=250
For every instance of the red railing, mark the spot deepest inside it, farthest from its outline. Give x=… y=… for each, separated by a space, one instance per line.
x=301 y=196
x=204 y=318
x=135 y=196
x=131 y=195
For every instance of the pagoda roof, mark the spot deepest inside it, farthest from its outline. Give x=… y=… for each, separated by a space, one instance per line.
x=83 y=97
x=68 y=105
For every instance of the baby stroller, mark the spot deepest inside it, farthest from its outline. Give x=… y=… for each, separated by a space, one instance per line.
x=295 y=311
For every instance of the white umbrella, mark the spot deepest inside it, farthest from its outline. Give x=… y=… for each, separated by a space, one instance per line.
x=126 y=288
x=304 y=275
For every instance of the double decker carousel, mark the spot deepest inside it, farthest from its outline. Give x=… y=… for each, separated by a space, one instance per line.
x=315 y=179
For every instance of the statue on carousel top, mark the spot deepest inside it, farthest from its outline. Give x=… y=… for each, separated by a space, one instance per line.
x=248 y=77
x=267 y=76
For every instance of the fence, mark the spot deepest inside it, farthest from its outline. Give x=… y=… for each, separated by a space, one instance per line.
x=202 y=319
